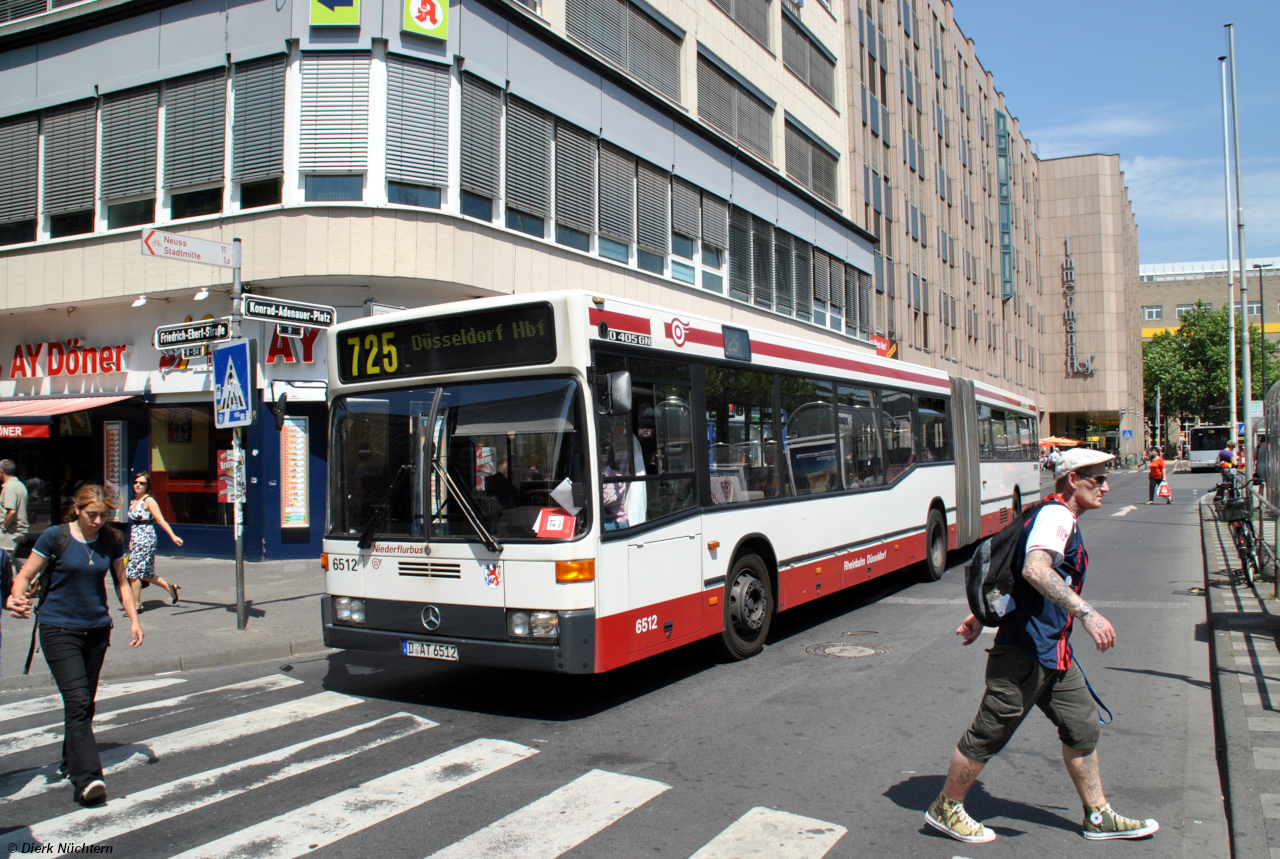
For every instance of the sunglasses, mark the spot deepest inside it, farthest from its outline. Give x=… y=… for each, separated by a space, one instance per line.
x=1098 y=479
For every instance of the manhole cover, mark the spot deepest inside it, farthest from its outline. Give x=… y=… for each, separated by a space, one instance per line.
x=842 y=650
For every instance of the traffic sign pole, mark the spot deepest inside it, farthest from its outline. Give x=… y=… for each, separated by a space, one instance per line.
x=237 y=445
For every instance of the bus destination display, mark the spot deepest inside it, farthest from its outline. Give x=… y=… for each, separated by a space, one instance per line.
x=506 y=337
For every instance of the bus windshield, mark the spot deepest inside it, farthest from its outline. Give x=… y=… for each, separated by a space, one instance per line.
x=1210 y=438
x=515 y=448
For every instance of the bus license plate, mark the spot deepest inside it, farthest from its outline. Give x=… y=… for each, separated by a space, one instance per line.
x=427 y=650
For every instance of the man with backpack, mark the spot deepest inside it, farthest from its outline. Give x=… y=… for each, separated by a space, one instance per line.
x=1031 y=662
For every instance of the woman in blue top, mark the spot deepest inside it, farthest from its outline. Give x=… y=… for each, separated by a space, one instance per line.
x=75 y=625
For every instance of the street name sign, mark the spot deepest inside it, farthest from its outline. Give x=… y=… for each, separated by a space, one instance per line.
x=186 y=249
x=181 y=335
x=233 y=388
x=291 y=312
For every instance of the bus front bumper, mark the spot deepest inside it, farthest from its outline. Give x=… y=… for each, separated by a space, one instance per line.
x=573 y=653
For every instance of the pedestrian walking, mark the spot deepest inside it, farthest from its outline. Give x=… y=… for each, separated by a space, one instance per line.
x=1155 y=476
x=144 y=514
x=1031 y=662
x=74 y=623
x=13 y=506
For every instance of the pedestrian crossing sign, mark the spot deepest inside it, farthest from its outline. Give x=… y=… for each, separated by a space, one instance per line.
x=233 y=385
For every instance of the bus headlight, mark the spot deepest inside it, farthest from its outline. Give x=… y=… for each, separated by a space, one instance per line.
x=533 y=625
x=348 y=610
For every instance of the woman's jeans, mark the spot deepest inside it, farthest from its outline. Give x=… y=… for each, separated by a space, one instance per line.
x=75 y=660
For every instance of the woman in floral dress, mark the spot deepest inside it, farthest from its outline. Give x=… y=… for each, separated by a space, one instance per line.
x=144 y=512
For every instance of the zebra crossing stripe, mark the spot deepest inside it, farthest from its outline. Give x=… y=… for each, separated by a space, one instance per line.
x=20 y=741
x=771 y=834
x=164 y=802
x=50 y=703
x=559 y=821
x=298 y=832
x=31 y=782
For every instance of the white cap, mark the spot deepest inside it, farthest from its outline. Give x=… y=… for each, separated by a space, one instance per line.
x=1078 y=458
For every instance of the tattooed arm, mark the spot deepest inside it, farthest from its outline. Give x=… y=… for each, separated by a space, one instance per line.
x=1039 y=573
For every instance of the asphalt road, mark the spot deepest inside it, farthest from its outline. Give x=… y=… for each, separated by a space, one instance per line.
x=352 y=755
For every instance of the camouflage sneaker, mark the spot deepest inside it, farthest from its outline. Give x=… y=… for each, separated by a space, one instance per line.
x=1101 y=823
x=947 y=815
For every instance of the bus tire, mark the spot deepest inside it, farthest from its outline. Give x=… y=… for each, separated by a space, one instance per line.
x=748 y=609
x=935 y=547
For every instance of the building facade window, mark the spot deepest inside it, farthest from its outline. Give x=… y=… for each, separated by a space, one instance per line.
x=257 y=130
x=751 y=15
x=417 y=127
x=130 y=128
x=808 y=59
x=630 y=38
x=481 y=145
x=1152 y=313
x=727 y=104
x=335 y=112
x=811 y=163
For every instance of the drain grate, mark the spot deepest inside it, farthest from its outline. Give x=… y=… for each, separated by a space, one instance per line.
x=845 y=650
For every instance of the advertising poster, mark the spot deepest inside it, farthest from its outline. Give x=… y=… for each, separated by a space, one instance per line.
x=226 y=476
x=114 y=478
x=426 y=18
x=294 y=512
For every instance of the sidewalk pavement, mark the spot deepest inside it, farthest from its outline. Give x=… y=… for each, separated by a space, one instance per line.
x=283 y=610
x=1244 y=624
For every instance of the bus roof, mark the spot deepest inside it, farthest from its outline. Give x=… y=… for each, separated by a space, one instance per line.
x=635 y=323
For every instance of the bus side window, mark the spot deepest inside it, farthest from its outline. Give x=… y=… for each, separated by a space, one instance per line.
x=897 y=408
x=860 y=446
x=745 y=462
x=986 y=444
x=809 y=435
x=1014 y=450
x=999 y=435
x=935 y=429
x=1025 y=437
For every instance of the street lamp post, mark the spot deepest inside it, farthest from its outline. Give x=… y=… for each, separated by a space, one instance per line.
x=1262 y=298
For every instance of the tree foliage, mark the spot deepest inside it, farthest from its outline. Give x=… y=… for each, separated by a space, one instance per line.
x=1191 y=366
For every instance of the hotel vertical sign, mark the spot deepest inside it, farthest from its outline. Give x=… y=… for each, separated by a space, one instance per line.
x=1076 y=366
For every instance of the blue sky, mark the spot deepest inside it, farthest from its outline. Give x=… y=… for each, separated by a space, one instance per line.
x=1140 y=78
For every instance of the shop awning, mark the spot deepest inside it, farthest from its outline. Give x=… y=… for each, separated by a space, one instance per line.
x=40 y=407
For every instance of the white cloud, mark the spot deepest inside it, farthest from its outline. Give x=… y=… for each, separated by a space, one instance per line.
x=1102 y=129
x=1181 y=213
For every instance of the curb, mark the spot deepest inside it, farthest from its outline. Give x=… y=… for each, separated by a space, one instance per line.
x=1246 y=829
x=218 y=659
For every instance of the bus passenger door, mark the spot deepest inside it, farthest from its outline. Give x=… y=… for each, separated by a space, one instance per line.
x=664 y=571
x=964 y=419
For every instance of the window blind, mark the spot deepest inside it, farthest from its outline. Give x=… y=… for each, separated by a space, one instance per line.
x=852 y=306
x=783 y=268
x=575 y=178
x=715 y=221
x=481 y=136
x=257 y=127
x=761 y=262
x=802 y=55
x=417 y=121
x=810 y=164
x=617 y=193
x=653 y=209
x=821 y=276
x=804 y=279
x=601 y=25
x=195 y=128
x=755 y=123
x=528 y=158
x=70 y=157
x=19 y=141
x=739 y=254
x=837 y=298
x=685 y=209
x=715 y=97
x=129 y=134
x=335 y=111
x=653 y=53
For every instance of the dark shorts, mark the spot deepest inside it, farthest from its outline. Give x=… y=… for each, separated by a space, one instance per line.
x=1015 y=682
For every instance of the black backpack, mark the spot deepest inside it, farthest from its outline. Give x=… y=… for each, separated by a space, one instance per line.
x=989 y=576
x=40 y=587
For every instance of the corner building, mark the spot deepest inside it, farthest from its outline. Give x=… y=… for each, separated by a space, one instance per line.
x=400 y=153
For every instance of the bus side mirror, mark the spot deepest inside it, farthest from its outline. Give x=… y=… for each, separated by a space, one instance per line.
x=614 y=396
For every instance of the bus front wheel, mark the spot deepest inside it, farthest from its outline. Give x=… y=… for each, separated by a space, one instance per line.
x=935 y=547
x=748 y=609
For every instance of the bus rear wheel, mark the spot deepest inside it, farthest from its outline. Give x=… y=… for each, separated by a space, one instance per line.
x=748 y=609
x=935 y=547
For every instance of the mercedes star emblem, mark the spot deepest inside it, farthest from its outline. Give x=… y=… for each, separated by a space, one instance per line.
x=431 y=618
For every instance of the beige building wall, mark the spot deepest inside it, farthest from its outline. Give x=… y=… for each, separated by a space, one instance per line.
x=944 y=104
x=1083 y=200
x=1165 y=290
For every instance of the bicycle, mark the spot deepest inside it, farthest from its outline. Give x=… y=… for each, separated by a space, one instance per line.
x=1236 y=508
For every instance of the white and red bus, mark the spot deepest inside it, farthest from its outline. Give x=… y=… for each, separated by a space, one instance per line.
x=567 y=482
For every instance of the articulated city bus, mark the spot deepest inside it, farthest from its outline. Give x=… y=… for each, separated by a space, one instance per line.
x=567 y=482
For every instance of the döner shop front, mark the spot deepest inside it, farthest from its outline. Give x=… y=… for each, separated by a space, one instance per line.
x=86 y=398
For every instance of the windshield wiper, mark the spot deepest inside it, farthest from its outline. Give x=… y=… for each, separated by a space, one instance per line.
x=383 y=510
x=468 y=510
